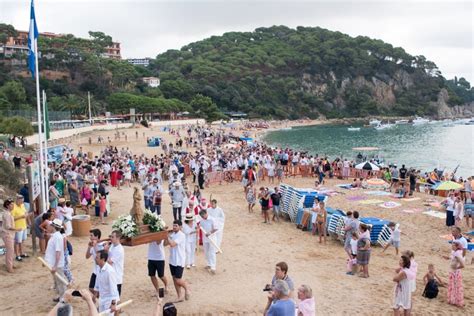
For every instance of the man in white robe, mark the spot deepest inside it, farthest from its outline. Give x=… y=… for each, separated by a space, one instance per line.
x=219 y=220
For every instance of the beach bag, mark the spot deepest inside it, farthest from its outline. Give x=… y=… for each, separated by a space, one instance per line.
x=84 y=202
x=431 y=289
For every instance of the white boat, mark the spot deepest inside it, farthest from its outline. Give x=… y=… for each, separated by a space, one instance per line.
x=400 y=122
x=353 y=129
x=285 y=129
x=419 y=121
x=374 y=122
x=470 y=122
x=383 y=126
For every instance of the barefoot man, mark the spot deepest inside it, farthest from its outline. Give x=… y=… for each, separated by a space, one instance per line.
x=156 y=264
x=177 y=241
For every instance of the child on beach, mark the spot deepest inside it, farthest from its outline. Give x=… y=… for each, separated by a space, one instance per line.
x=352 y=260
x=103 y=209
x=394 y=237
x=432 y=281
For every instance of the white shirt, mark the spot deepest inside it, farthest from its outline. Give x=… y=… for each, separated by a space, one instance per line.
x=156 y=251
x=55 y=244
x=117 y=256
x=106 y=284
x=354 y=246
x=395 y=235
x=217 y=214
x=178 y=253
x=208 y=225
x=187 y=230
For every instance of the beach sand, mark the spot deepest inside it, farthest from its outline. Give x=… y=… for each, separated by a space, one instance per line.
x=250 y=251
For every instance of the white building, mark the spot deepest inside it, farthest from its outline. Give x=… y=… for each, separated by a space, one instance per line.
x=145 y=62
x=152 y=81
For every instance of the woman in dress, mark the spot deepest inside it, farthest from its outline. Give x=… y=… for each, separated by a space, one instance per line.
x=458 y=211
x=250 y=195
x=113 y=176
x=321 y=215
x=73 y=193
x=455 y=288
x=363 y=250
x=402 y=292
x=127 y=176
x=53 y=195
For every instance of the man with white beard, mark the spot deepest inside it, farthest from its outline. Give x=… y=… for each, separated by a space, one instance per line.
x=218 y=216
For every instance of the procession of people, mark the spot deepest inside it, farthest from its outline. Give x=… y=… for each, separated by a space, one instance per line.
x=182 y=173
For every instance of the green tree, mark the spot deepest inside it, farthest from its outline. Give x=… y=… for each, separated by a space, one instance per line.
x=17 y=126
x=205 y=108
x=14 y=93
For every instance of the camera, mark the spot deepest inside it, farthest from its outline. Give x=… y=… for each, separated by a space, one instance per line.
x=267 y=288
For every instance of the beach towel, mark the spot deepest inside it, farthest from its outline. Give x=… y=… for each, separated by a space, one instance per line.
x=377 y=193
x=389 y=204
x=447 y=237
x=371 y=201
x=397 y=197
x=435 y=214
x=347 y=186
x=413 y=210
x=356 y=198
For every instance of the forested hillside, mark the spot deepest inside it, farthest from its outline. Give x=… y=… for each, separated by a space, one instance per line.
x=272 y=72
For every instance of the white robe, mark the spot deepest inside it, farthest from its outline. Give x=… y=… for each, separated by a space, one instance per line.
x=219 y=219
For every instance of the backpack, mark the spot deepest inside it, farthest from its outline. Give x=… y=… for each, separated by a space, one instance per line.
x=431 y=289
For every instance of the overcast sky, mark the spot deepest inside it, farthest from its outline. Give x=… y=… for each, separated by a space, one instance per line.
x=442 y=31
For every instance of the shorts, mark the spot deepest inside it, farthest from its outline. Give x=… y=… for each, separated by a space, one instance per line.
x=395 y=243
x=156 y=267
x=20 y=236
x=92 y=281
x=176 y=271
x=276 y=209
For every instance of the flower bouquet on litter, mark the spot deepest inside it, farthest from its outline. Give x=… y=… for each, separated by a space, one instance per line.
x=126 y=225
x=154 y=221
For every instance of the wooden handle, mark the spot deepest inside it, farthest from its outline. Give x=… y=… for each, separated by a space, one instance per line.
x=60 y=278
x=119 y=306
x=212 y=241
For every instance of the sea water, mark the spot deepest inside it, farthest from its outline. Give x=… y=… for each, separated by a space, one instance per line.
x=422 y=147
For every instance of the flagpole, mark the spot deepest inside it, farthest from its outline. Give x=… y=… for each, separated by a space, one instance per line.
x=40 y=138
x=45 y=147
x=90 y=112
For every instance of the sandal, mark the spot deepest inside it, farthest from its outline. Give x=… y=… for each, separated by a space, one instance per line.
x=19 y=258
x=25 y=255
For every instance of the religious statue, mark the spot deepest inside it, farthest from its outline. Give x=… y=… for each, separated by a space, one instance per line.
x=137 y=210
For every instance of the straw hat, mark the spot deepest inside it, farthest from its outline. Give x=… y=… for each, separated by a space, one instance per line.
x=62 y=200
x=57 y=223
x=176 y=184
x=189 y=217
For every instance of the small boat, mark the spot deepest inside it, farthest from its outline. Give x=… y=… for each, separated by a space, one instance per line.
x=400 y=122
x=384 y=126
x=353 y=129
x=420 y=120
x=374 y=122
x=470 y=122
x=285 y=129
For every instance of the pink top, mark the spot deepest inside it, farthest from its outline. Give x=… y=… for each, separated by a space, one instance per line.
x=307 y=307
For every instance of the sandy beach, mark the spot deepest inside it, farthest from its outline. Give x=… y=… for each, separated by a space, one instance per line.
x=250 y=251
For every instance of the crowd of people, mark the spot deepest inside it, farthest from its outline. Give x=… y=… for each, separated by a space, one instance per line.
x=81 y=182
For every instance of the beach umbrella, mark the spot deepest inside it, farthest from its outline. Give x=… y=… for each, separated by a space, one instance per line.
x=449 y=185
x=367 y=166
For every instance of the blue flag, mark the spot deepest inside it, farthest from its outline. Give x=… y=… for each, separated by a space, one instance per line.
x=32 y=41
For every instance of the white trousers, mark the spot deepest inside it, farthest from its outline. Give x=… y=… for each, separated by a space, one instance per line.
x=104 y=305
x=190 y=251
x=210 y=252
x=218 y=238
